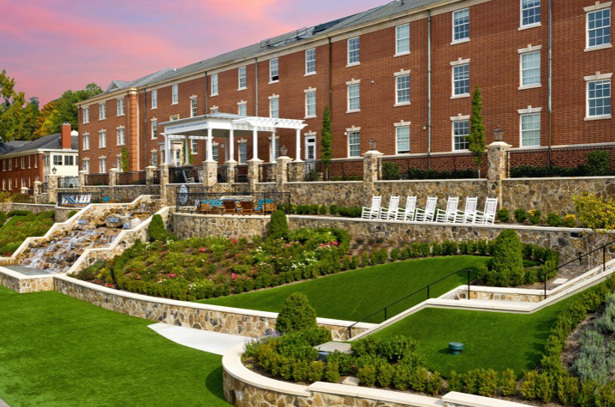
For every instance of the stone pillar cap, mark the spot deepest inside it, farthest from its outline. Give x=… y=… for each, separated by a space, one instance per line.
x=372 y=152
x=499 y=144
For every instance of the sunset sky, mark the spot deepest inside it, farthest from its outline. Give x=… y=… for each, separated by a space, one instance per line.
x=50 y=46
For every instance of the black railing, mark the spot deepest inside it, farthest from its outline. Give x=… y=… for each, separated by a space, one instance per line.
x=44 y=188
x=427 y=289
x=266 y=172
x=241 y=174
x=563 y=157
x=222 y=173
x=263 y=203
x=131 y=178
x=403 y=165
x=185 y=175
x=97 y=179
x=68 y=182
x=156 y=179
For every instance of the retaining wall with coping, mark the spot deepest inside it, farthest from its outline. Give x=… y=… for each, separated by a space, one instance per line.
x=25 y=284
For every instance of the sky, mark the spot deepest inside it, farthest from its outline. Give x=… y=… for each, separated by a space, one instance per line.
x=50 y=46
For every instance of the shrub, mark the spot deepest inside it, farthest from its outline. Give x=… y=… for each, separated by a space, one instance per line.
x=17 y=212
x=521 y=215
x=72 y=213
x=384 y=375
x=322 y=210
x=2 y=218
x=333 y=209
x=569 y=221
x=157 y=230
x=455 y=381
x=390 y=171
x=315 y=371
x=528 y=386
x=367 y=375
x=508 y=383
x=553 y=219
x=535 y=216
x=503 y=215
x=350 y=211
x=507 y=262
x=296 y=314
x=449 y=248
x=487 y=382
x=278 y=226
x=332 y=372
x=597 y=162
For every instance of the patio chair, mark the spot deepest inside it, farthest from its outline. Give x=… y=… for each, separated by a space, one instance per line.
x=468 y=215
x=265 y=206
x=391 y=212
x=488 y=215
x=372 y=211
x=229 y=207
x=407 y=214
x=70 y=201
x=427 y=214
x=449 y=214
x=247 y=208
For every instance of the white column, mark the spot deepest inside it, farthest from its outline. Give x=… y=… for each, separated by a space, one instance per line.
x=167 y=149
x=254 y=144
x=231 y=145
x=210 y=149
x=298 y=146
x=272 y=148
x=187 y=148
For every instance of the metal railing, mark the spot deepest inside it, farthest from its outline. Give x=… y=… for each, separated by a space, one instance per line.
x=97 y=179
x=156 y=179
x=449 y=163
x=241 y=174
x=427 y=289
x=68 y=182
x=131 y=178
x=266 y=172
x=222 y=174
x=185 y=175
x=564 y=157
x=191 y=202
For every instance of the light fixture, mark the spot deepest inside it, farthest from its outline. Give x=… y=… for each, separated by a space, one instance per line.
x=54 y=170
x=498 y=134
x=373 y=144
x=284 y=151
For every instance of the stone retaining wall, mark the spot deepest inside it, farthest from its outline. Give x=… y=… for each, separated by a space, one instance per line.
x=25 y=284
x=186 y=225
x=34 y=208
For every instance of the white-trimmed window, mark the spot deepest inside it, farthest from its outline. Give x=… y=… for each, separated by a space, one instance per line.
x=102 y=111
x=402 y=88
x=598 y=96
x=530 y=13
x=193 y=106
x=274 y=70
x=154 y=159
x=154 y=129
x=461 y=130
x=354 y=51
x=461 y=25
x=86 y=114
x=461 y=79
x=120 y=107
x=530 y=69
x=118 y=161
x=154 y=99
x=213 y=109
x=242 y=78
x=530 y=127
x=121 y=136
x=69 y=160
x=354 y=96
x=174 y=94
x=102 y=165
x=354 y=143
x=57 y=160
x=102 y=139
x=86 y=165
x=23 y=162
x=242 y=147
x=86 y=141
x=310 y=61
x=194 y=145
x=310 y=102
x=242 y=108
x=215 y=152
x=11 y=163
x=214 y=84
x=598 y=25
x=402 y=39
x=274 y=106
x=402 y=138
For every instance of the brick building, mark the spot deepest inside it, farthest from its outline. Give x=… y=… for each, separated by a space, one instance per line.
x=402 y=74
x=24 y=162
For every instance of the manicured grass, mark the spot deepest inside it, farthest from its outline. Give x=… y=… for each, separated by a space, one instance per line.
x=59 y=351
x=492 y=339
x=353 y=295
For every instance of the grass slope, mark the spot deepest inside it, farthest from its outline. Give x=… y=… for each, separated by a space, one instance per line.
x=59 y=351
x=492 y=339
x=355 y=294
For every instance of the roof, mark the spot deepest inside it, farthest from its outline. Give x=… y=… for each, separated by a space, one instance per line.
x=49 y=142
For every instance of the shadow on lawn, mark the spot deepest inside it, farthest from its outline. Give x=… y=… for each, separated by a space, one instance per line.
x=213 y=382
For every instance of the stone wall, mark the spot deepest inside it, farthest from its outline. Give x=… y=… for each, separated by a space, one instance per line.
x=34 y=208
x=125 y=193
x=62 y=213
x=185 y=225
x=25 y=284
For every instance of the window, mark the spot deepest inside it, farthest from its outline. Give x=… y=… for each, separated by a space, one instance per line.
x=194 y=145
x=193 y=107
x=599 y=27
x=354 y=98
x=461 y=130
x=242 y=78
x=120 y=107
x=86 y=141
x=402 y=139
x=214 y=109
x=215 y=152
x=530 y=130
x=174 y=117
x=310 y=103
x=310 y=61
x=243 y=153
x=274 y=106
x=242 y=108
x=121 y=139
x=57 y=160
x=69 y=160
x=354 y=143
x=530 y=68
x=86 y=115
x=402 y=39
x=154 y=129
x=354 y=56
x=29 y=161
x=154 y=160
x=86 y=164
x=530 y=12
x=23 y=162
x=102 y=165
x=102 y=139
x=214 y=84
x=35 y=162
x=10 y=164
x=402 y=89
x=174 y=94
x=274 y=71
x=154 y=99
x=461 y=25
x=599 y=98
x=118 y=162
x=461 y=80
x=102 y=111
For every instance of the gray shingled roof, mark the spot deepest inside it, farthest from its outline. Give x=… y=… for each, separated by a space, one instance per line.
x=49 y=142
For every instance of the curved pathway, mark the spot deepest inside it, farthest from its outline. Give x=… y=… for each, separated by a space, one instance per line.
x=206 y=341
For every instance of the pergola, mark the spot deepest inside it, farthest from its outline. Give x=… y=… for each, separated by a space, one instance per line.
x=203 y=127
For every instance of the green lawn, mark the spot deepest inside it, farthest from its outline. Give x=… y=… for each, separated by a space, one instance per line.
x=355 y=294
x=59 y=351
x=492 y=339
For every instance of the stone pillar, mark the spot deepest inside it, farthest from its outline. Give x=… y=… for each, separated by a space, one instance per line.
x=37 y=191
x=82 y=179
x=114 y=174
x=24 y=190
x=496 y=168
x=149 y=175
x=231 y=169
x=253 y=167
x=299 y=169
x=281 y=168
x=371 y=168
x=52 y=188
x=210 y=173
x=164 y=183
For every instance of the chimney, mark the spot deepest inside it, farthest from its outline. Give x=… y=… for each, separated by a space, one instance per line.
x=66 y=136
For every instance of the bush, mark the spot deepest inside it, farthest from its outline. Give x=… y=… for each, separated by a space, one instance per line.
x=507 y=262
x=508 y=383
x=415 y=173
x=569 y=221
x=18 y=212
x=296 y=314
x=535 y=216
x=278 y=226
x=157 y=230
x=528 y=171
x=553 y=219
x=503 y=215
x=2 y=218
x=597 y=163
x=390 y=171
x=367 y=375
x=521 y=215
x=72 y=213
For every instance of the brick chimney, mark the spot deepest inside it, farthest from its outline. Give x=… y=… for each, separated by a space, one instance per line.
x=66 y=135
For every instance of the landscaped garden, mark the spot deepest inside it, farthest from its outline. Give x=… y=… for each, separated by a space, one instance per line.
x=21 y=225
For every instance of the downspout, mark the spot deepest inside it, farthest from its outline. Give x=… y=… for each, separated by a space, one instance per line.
x=428 y=89
x=206 y=93
x=255 y=86
x=330 y=81
x=550 y=113
x=145 y=125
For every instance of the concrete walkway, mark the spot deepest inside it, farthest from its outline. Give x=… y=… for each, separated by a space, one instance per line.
x=206 y=341
x=3 y=404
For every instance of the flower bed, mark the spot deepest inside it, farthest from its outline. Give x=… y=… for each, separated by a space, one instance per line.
x=21 y=225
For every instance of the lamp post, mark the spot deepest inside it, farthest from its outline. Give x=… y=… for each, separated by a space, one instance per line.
x=54 y=170
x=498 y=134
x=373 y=144
x=283 y=151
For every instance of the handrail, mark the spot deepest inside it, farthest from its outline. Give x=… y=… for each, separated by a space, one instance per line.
x=427 y=287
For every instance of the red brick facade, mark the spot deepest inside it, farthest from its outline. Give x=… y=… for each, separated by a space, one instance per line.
x=493 y=52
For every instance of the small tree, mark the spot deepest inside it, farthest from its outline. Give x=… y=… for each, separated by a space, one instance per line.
x=124 y=160
x=326 y=142
x=157 y=230
x=507 y=262
x=476 y=138
x=278 y=225
x=296 y=315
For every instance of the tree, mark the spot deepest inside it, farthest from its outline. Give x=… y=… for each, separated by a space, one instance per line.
x=124 y=160
x=326 y=140
x=297 y=314
x=17 y=118
x=476 y=138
